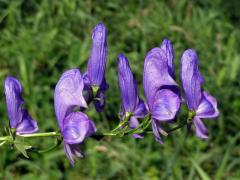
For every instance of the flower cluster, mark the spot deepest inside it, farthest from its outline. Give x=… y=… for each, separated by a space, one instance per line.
x=75 y=91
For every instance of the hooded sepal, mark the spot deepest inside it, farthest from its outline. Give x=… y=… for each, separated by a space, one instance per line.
x=97 y=61
x=127 y=85
x=19 y=117
x=191 y=79
x=68 y=94
x=155 y=75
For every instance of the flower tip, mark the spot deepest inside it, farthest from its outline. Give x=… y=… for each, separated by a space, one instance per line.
x=190 y=54
x=166 y=41
x=167 y=47
x=154 y=51
x=189 y=59
x=10 y=80
x=99 y=32
x=121 y=58
x=100 y=25
x=123 y=64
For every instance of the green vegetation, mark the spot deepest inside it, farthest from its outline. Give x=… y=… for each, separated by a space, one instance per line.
x=41 y=39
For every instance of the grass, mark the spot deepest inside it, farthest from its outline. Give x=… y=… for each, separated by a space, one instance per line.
x=39 y=40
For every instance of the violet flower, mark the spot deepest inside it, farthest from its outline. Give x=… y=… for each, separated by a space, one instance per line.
x=160 y=88
x=198 y=101
x=131 y=103
x=94 y=78
x=74 y=126
x=19 y=117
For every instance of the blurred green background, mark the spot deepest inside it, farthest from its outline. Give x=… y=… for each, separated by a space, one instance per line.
x=41 y=39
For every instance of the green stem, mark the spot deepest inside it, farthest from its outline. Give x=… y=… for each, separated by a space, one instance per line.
x=108 y=134
x=142 y=127
x=173 y=129
x=5 y=138
x=190 y=117
x=2 y=143
x=47 y=134
x=124 y=122
x=58 y=142
x=178 y=127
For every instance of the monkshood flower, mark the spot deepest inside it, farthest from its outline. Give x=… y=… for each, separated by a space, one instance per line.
x=20 y=120
x=160 y=88
x=74 y=126
x=198 y=101
x=94 y=78
x=131 y=103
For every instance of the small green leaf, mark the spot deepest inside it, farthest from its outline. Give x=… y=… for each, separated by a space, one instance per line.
x=22 y=146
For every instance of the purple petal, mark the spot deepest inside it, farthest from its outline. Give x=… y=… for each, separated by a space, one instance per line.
x=72 y=151
x=97 y=60
x=133 y=123
x=191 y=79
x=155 y=74
x=167 y=47
x=104 y=85
x=68 y=94
x=208 y=107
x=19 y=118
x=140 y=110
x=86 y=81
x=87 y=90
x=200 y=128
x=127 y=84
x=156 y=127
x=27 y=124
x=99 y=102
x=77 y=127
x=14 y=100
x=166 y=105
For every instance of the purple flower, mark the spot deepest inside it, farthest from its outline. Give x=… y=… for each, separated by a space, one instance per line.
x=131 y=103
x=74 y=126
x=160 y=88
x=97 y=60
x=19 y=117
x=198 y=101
x=94 y=78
